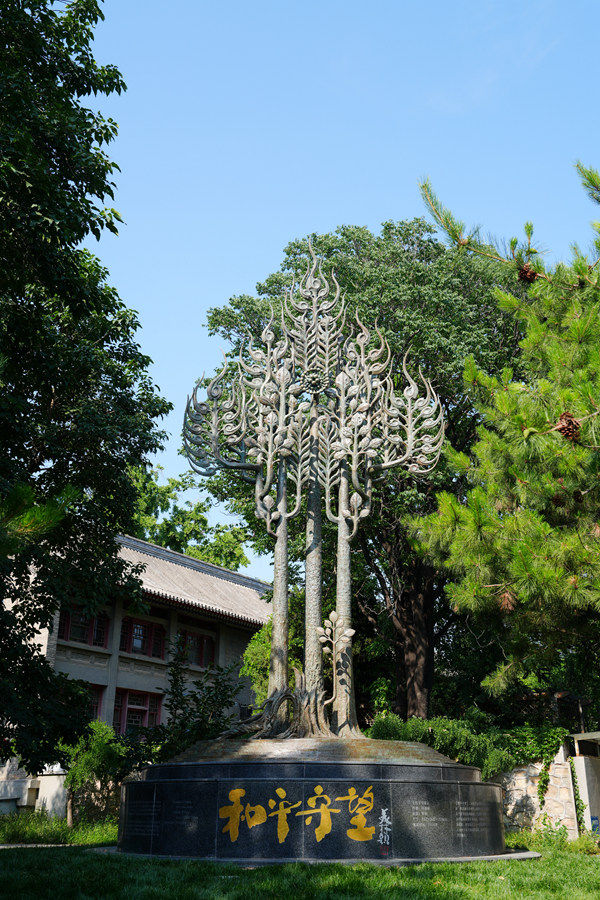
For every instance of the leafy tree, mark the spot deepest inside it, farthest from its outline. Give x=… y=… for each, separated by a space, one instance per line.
x=440 y=303
x=38 y=706
x=77 y=407
x=163 y=518
x=523 y=544
x=198 y=710
x=258 y=651
x=22 y=519
x=55 y=174
x=96 y=764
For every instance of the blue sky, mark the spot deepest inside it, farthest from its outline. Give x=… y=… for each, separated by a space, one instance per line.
x=246 y=125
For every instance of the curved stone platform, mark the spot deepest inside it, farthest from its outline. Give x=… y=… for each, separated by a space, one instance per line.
x=311 y=799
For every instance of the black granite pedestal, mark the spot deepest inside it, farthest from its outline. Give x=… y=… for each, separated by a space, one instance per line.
x=311 y=799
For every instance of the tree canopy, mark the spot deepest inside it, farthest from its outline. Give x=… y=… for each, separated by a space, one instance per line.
x=55 y=174
x=165 y=518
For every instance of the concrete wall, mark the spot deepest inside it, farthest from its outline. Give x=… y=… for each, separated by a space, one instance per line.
x=112 y=668
x=587 y=770
x=52 y=795
x=521 y=804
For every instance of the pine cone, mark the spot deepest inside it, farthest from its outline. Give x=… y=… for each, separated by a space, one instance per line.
x=569 y=427
x=526 y=273
x=507 y=601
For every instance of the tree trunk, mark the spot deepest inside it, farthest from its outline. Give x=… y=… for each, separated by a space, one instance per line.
x=400 y=704
x=410 y=590
x=69 y=808
x=418 y=653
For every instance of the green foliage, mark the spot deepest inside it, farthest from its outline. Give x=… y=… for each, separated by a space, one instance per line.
x=257 y=658
x=524 y=540
x=492 y=751
x=579 y=804
x=55 y=174
x=256 y=661
x=522 y=255
x=547 y=838
x=46 y=706
x=23 y=520
x=198 y=709
x=96 y=765
x=163 y=518
x=77 y=406
x=98 y=756
x=28 y=827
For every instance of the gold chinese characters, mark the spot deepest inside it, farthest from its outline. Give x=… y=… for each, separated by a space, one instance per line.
x=319 y=811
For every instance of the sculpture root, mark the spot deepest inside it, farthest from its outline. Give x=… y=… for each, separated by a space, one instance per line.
x=307 y=716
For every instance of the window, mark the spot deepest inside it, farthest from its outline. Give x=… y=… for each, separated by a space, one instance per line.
x=145 y=638
x=100 y=631
x=118 y=713
x=200 y=647
x=96 y=692
x=134 y=710
x=153 y=709
x=139 y=638
x=75 y=625
x=80 y=627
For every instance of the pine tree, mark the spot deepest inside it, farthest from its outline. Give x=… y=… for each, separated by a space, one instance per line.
x=525 y=538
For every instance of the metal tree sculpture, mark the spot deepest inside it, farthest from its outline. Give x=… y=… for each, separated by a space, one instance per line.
x=316 y=412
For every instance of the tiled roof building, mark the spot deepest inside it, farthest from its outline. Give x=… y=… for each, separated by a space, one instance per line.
x=123 y=654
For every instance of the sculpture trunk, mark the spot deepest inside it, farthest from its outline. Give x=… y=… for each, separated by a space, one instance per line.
x=278 y=668
x=313 y=660
x=344 y=722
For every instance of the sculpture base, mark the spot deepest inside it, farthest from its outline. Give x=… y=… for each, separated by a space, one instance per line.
x=313 y=799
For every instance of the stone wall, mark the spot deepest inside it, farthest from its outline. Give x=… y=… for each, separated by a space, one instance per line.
x=521 y=804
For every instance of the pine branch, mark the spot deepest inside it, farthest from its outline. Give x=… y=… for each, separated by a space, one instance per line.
x=521 y=255
x=590 y=180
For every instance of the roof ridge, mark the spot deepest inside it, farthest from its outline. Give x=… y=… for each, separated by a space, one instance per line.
x=190 y=562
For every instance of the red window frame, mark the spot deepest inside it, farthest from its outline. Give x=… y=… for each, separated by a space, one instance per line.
x=148 y=704
x=207 y=646
x=97 y=694
x=94 y=637
x=153 y=640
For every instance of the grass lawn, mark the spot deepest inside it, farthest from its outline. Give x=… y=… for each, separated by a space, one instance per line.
x=39 y=828
x=79 y=873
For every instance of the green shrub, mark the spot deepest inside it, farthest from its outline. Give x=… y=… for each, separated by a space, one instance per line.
x=551 y=838
x=29 y=827
x=198 y=710
x=96 y=766
x=493 y=751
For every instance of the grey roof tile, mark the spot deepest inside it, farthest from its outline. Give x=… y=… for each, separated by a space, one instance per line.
x=197 y=584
